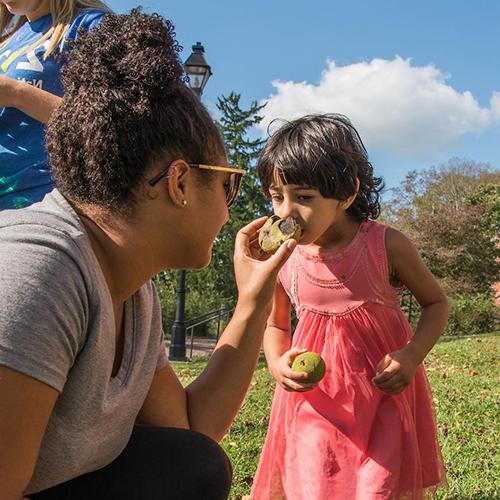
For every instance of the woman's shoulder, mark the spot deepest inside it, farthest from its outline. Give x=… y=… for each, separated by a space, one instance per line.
x=45 y=238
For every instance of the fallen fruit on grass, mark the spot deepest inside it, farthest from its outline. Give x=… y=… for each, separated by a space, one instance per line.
x=276 y=231
x=311 y=363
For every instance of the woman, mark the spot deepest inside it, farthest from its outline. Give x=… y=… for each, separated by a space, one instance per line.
x=34 y=34
x=90 y=406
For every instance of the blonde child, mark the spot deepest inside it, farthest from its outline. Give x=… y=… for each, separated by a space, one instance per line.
x=33 y=36
x=367 y=430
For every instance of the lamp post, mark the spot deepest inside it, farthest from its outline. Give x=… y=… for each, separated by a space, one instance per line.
x=199 y=72
x=197 y=69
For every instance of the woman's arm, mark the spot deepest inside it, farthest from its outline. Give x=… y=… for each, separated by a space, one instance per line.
x=24 y=412
x=166 y=402
x=33 y=101
x=210 y=403
x=216 y=395
x=407 y=267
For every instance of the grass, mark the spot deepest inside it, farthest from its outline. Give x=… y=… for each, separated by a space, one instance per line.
x=464 y=375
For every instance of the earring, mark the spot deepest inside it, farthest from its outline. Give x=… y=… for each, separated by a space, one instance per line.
x=184 y=203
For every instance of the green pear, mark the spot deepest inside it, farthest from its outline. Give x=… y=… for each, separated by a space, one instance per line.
x=276 y=231
x=311 y=363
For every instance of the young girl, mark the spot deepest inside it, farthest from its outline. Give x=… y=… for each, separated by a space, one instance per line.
x=367 y=430
x=33 y=35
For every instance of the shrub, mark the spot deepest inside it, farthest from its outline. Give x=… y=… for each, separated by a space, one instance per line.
x=472 y=314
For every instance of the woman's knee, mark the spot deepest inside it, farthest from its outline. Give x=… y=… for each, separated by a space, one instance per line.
x=211 y=470
x=157 y=464
x=186 y=464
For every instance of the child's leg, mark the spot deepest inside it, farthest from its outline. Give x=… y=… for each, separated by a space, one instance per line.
x=158 y=463
x=378 y=476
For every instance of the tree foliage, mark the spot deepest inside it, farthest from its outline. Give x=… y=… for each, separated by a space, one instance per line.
x=242 y=152
x=452 y=215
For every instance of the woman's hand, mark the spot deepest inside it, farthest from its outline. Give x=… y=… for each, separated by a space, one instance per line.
x=396 y=370
x=8 y=88
x=256 y=274
x=289 y=379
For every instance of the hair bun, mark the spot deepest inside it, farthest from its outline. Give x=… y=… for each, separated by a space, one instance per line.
x=125 y=109
x=133 y=52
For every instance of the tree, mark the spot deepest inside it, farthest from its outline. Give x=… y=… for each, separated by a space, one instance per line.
x=487 y=196
x=451 y=213
x=215 y=286
x=242 y=153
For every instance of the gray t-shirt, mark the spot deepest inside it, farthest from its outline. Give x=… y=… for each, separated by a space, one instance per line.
x=57 y=326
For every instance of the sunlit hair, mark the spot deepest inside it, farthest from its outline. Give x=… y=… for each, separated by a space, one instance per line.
x=62 y=11
x=324 y=152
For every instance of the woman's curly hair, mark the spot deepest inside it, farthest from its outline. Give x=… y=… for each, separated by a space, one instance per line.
x=327 y=153
x=126 y=106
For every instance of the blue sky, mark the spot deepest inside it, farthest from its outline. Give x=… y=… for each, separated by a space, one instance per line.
x=420 y=80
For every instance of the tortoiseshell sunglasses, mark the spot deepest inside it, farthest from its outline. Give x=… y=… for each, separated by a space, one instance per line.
x=232 y=187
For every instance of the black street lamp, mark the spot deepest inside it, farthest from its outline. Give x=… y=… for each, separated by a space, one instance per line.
x=197 y=69
x=199 y=72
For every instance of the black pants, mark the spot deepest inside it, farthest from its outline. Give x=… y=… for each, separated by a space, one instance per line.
x=157 y=464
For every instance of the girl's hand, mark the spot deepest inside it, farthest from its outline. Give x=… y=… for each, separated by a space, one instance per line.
x=35 y=102
x=395 y=371
x=289 y=379
x=8 y=88
x=256 y=274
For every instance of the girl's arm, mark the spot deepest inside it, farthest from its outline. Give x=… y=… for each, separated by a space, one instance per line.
x=33 y=101
x=396 y=370
x=277 y=341
x=277 y=338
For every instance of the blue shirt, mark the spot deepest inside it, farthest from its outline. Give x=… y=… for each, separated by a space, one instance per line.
x=24 y=170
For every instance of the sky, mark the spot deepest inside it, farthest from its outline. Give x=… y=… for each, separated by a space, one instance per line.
x=419 y=80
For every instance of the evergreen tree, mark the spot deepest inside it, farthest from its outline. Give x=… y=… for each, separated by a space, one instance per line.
x=242 y=152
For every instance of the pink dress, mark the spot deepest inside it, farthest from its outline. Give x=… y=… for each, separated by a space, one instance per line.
x=346 y=439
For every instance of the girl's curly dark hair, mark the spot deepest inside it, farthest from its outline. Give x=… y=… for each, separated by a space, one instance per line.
x=125 y=106
x=325 y=152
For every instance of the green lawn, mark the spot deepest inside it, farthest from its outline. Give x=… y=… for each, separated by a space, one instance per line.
x=464 y=375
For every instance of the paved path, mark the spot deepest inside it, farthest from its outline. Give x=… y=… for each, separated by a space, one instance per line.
x=202 y=346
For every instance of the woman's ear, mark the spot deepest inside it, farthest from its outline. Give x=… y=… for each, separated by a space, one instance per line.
x=178 y=181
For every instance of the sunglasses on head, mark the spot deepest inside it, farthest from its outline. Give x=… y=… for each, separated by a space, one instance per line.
x=232 y=187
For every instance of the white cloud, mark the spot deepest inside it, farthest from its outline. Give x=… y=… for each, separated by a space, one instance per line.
x=395 y=106
x=495 y=104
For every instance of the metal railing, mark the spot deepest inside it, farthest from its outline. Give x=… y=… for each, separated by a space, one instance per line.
x=410 y=307
x=217 y=314
x=408 y=304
